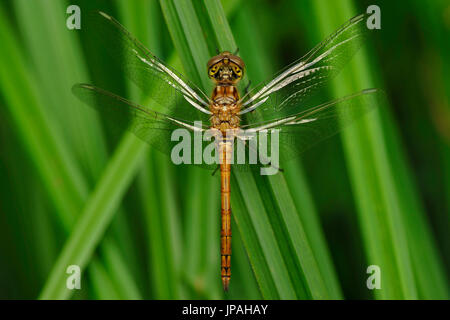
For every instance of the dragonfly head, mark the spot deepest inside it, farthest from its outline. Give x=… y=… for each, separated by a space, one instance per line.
x=226 y=68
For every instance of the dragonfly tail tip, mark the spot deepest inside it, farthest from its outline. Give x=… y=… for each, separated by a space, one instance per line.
x=225 y=283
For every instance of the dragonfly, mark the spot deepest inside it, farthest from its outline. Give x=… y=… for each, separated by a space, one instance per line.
x=280 y=103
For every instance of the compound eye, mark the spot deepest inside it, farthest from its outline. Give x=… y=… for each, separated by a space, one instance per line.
x=238 y=71
x=213 y=70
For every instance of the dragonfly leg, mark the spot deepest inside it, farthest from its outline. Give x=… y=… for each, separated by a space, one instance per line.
x=215 y=170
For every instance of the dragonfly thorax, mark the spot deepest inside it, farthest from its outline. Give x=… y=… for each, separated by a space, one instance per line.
x=225 y=108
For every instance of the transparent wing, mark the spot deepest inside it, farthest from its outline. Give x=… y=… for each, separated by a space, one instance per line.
x=288 y=91
x=152 y=127
x=301 y=131
x=174 y=94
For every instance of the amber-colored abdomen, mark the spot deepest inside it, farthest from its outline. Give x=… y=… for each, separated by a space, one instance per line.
x=225 y=232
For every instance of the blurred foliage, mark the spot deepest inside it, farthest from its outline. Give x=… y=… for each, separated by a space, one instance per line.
x=74 y=191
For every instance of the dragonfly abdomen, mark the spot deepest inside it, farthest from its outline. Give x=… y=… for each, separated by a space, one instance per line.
x=225 y=150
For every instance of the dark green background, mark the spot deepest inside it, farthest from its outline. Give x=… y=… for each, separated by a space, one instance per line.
x=73 y=192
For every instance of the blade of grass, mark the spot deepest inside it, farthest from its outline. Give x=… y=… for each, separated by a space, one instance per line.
x=115 y=265
x=103 y=287
x=163 y=230
x=96 y=215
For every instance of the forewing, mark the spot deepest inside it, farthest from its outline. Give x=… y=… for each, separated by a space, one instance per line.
x=152 y=127
x=287 y=92
x=174 y=94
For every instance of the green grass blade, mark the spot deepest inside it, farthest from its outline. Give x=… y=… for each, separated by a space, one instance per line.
x=102 y=286
x=97 y=214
